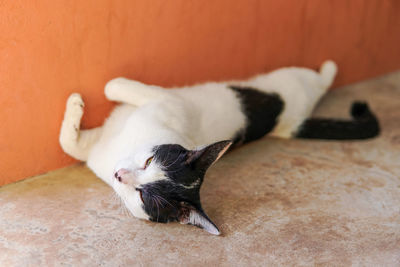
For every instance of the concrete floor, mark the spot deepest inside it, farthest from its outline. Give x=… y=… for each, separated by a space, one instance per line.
x=277 y=202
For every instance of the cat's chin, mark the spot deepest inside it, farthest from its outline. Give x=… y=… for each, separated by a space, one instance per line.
x=132 y=200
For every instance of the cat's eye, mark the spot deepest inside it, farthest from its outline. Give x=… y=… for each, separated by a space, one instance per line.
x=148 y=161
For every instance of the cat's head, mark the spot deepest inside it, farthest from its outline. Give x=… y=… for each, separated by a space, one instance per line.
x=163 y=183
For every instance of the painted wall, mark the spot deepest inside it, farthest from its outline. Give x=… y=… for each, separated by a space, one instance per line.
x=49 y=49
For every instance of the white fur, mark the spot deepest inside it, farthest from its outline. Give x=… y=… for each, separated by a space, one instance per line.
x=191 y=116
x=196 y=219
x=192 y=185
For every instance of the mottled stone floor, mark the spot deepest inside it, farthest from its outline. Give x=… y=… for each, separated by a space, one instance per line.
x=277 y=202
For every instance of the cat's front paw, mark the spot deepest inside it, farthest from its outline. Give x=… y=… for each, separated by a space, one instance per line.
x=75 y=106
x=75 y=99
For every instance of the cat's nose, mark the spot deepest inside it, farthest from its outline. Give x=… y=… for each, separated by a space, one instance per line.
x=120 y=173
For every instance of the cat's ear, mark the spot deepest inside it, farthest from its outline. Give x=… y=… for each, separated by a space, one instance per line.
x=190 y=215
x=206 y=156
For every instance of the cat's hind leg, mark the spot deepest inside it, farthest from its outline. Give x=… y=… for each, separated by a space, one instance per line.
x=133 y=92
x=362 y=125
x=301 y=89
x=74 y=141
x=327 y=73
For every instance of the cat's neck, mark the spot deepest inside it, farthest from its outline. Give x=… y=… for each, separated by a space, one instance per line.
x=168 y=136
x=158 y=125
x=133 y=137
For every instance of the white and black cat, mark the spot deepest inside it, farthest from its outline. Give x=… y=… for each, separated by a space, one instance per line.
x=155 y=148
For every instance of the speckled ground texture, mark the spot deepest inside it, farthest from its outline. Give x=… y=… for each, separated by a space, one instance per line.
x=277 y=202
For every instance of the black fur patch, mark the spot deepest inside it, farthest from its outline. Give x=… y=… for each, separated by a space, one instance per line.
x=162 y=198
x=364 y=125
x=262 y=111
x=166 y=200
x=173 y=159
x=159 y=201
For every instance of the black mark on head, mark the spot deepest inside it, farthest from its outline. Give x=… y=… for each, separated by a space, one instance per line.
x=168 y=200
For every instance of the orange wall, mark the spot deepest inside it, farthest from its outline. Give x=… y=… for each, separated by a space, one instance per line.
x=49 y=49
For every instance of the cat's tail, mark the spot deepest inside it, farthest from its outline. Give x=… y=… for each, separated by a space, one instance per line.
x=363 y=125
x=328 y=72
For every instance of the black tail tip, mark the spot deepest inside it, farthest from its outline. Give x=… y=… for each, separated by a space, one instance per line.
x=361 y=112
x=359 y=109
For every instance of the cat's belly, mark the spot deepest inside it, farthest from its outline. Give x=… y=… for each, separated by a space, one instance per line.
x=228 y=112
x=101 y=163
x=103 y=155
x=215 y=111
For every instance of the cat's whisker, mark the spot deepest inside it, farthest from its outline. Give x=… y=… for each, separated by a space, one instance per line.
x=177 y=158
x=126 y=212
x=165 y=160
x=115 y=197
x=165 y=201
x=122 y=209
x=158 y=207
x=121 y=206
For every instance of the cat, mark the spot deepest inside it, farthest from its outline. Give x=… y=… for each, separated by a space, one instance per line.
x=156 y=146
